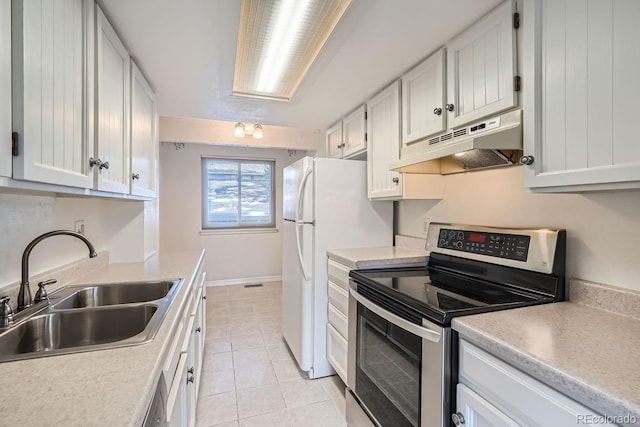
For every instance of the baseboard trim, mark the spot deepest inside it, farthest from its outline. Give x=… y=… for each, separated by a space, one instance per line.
x=244 y=281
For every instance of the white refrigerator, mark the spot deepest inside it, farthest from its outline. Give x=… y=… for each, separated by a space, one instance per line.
x=325 y=206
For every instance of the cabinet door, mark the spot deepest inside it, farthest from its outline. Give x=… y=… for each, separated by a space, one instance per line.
x=177 y=396
x=144 y=139
x=581 y=101
x=354 y=128
x=423 y=112
x=477 y=412
x=481 y=67
x=383 y=129
x=334 y=141
x=112 y=116
x=52 y=64
x=5 y=87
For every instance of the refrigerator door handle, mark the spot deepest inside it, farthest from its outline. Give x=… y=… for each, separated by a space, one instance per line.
x=300 y=223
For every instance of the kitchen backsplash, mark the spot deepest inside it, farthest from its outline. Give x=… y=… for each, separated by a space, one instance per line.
x=621 y=301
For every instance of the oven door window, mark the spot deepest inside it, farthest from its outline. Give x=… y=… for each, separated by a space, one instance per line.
x=388 y=370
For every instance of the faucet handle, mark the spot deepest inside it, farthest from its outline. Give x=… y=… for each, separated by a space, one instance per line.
x=42 y=295
x=6 y=313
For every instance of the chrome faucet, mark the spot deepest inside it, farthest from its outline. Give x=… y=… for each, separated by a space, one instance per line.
x=24 y=296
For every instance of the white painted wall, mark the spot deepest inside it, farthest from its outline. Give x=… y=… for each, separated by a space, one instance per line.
x=228 y=256
x=603 y=228
x=113 y=225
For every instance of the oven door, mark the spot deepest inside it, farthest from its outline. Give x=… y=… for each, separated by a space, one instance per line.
x=398 y=370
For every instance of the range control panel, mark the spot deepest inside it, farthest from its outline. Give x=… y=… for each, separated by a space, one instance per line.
x=499 y=245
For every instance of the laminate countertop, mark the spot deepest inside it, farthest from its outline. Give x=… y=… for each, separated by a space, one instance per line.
x=588 y=354
x=99 y=388
x=378 y=257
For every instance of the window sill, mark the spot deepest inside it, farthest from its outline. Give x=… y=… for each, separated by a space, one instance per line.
x=239 y=231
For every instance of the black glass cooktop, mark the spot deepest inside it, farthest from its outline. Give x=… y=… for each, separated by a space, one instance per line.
x=439 y=295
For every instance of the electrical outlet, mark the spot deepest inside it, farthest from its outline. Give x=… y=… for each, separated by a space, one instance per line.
x=78 y=226
x=426 y=222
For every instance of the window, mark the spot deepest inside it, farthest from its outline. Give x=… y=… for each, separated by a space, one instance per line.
x=237 y=193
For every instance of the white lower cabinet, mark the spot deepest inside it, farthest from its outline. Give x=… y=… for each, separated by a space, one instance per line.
x=185 y=356
x=491 y=392
x=338 y=316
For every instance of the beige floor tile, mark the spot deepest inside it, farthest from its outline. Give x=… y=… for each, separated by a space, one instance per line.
x=218 y=312
x=240 y=309
x=254 y=375
x=282 y=418
x=244 y=328
x=259 y=401
x=230 y=424
x=279 y=350
x=214 y=331
x=246 y=342
x=333 y=385
x=214 y=322
x=217 y=362
x=341 y=405
x=301 y=392
x=287 y=369
x=247 y=358
x=217 y=345
x=273 y=338
x=271 y=327
x=216 y=409
x=323 y=414
x=218 y=382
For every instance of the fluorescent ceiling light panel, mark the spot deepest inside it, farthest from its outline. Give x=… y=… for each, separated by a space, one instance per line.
x=278 y=40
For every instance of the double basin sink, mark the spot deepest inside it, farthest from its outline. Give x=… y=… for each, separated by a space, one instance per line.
x=90 y=317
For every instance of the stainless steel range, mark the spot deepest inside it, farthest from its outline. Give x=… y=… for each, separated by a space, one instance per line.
x=402 y=351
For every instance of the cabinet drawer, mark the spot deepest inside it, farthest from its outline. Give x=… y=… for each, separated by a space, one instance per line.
x=339 y=274
x=171 y=361
x=521 y=397
x=339 y=298
x=177 y=397
x=337 y=352
x=339 y=321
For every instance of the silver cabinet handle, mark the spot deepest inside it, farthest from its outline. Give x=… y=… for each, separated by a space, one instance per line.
x=420 y=331
x=527 y=160
x=104 y=165
x=437 y=111
x=457 y=418
x=198 y=329
x=94 y=162
x=449 y=107
x=395 y=180
x=190 y=370
x=190 y=379
x=135 y=176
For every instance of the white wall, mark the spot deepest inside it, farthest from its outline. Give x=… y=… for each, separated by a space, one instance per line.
x=228 y=256
x=603 y=228
x=111 y=225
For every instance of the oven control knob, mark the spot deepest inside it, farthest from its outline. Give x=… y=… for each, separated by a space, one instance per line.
x=457 y=418
x=460 y=235
x=458 y=245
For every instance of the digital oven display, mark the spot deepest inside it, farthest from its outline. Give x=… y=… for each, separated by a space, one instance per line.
x=477 y=237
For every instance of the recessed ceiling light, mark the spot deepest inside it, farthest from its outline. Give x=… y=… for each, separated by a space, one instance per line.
x=278 y=40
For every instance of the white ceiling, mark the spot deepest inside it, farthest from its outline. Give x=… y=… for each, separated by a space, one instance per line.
x=186 y=48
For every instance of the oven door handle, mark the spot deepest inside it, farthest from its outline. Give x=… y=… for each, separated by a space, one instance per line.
x=418 y=330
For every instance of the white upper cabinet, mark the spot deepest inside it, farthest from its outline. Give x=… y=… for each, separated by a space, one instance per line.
x=347 y=139
x=354 y=133
x=112 y=109
x=423 y=101
x=481 y=68
x=334 y=141
x=383 y=128
x=580 y=67
x=52 y=51
x=5 y=87
x=144 y=137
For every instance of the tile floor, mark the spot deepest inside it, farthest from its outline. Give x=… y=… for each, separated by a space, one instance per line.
x=249 y=377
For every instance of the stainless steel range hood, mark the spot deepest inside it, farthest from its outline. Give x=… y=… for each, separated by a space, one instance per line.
x=486 y=144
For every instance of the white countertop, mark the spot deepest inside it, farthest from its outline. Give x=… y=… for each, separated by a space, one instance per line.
x=100 y=388
x=591 y=355
x=378 y=257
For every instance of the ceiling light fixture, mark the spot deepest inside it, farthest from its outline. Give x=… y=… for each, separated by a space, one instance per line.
x=240 y=130
x=278 y=40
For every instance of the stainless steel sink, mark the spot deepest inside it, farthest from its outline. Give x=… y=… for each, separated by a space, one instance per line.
x=87 y=318
x=115 y=293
